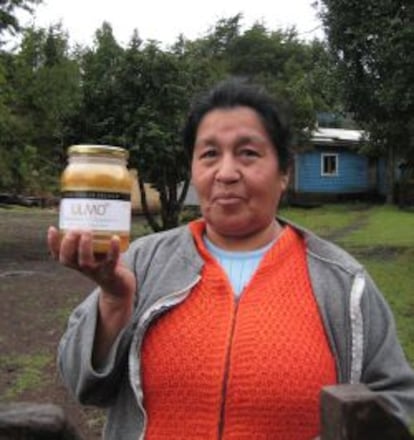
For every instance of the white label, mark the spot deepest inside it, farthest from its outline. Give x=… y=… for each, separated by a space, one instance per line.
x=95 y=214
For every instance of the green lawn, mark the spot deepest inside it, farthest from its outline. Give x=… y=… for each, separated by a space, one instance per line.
x=387 y=226
x=383 y=240
x=324 y=219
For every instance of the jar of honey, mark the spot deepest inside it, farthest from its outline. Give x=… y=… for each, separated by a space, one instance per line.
x=96 y=194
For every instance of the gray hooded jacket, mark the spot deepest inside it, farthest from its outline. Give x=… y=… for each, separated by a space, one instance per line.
x=358 y=322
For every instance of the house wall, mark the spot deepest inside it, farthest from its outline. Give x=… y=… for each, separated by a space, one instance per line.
x=191 y=198
x=382 y=176
x=152 y=196
x=352 y=176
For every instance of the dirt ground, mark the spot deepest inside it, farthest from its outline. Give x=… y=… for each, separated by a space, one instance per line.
x=37 y=295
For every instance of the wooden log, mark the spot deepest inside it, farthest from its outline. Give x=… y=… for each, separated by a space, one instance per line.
x=353 y=412
x=31 y=421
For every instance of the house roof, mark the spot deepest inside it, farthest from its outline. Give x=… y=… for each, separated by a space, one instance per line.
x=336 y=136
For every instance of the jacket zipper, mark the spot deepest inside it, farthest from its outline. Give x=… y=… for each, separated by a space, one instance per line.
x=226 y=372
x=357 y=328
x=154 y=311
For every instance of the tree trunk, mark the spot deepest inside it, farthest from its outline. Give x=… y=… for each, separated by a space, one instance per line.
x=390 y=196
x=150 y=218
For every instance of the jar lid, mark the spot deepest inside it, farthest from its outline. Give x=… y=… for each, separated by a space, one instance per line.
x=99 y=150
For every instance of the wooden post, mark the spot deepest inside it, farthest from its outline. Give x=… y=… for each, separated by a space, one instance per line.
x=353 y=412
x=30 y=421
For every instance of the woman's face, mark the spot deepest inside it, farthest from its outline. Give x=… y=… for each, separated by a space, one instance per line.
x=235 y=171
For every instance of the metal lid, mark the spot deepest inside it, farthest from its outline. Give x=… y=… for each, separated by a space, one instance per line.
x=99 y=150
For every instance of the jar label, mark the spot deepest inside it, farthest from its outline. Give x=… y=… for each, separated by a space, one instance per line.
x=99 y=211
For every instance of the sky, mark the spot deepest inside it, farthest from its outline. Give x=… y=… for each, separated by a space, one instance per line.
x=164 y=20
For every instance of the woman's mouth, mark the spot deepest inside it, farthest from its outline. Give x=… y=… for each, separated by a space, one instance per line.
x=227 y=199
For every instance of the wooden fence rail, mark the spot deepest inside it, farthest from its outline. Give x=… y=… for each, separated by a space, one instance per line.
x=31 y=421
x=348 y=412
x=353 y=412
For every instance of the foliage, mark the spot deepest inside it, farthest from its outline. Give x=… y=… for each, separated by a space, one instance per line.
x=279 y=61
x=9 y=22
x=98 y=118
x=373 y=44
x=136 y=98
x=300 y=75
x=41 y=92
x=52 y=96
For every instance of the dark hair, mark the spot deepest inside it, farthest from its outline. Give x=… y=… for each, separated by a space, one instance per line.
x=235 y=92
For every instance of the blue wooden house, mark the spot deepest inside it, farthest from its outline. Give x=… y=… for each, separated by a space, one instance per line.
x=332 y=168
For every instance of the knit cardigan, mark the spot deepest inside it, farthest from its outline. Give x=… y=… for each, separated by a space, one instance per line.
x=214 y=368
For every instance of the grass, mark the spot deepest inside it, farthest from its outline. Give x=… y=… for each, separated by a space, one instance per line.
x=386 y=226
x=27 y=370
x=326 y=219
x=394 y=277
x=139 y=227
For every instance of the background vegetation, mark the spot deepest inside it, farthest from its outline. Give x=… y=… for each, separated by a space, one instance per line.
x=372 y=43
x=53 y=94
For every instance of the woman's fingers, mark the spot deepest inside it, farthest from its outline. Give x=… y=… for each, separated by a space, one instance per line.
x=104 y=269
x=86 y=258
x=75 y=250
x=53 y=242
x=69 y=247
x=114 y=250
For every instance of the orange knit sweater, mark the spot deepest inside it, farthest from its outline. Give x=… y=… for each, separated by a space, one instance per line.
x=214 y=369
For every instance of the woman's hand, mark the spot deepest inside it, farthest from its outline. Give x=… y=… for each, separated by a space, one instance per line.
x=117 y=283
x=75 y=250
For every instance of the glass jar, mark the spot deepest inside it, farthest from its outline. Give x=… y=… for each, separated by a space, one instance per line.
x=96 y=194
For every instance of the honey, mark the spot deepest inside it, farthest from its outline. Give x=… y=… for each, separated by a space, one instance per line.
x=96 y=194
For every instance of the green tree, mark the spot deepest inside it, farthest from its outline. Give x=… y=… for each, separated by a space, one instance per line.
x=9 y=22
x=373 y=44
x=166 y=81
x=300 y=74
x=98 y=120
x=42 y=92
x=9 y=25
x=7 y=122
x=279 y=61
x=135 y=97
x=163 y=89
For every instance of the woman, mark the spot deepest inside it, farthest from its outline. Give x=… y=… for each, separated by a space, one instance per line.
x=230 y=326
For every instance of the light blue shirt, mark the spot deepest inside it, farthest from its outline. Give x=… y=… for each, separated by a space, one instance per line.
x=239 y=266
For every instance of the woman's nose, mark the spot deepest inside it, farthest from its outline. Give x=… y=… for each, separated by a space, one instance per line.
x=227 y=170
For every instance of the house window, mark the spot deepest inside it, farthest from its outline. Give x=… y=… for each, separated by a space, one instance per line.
x=329 y=164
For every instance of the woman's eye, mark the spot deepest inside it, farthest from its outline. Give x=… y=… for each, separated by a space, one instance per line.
x=208 y=154
x=250 y=152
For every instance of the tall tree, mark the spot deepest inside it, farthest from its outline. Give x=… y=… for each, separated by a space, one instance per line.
x=99 y=118
x=9 y=26
x=282 y=63
x=9 y=23
x=42 y=84
x=373 y=44
x=163 y=94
